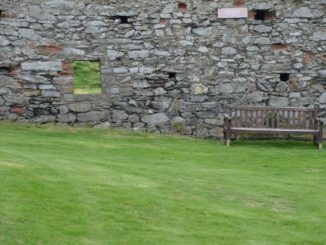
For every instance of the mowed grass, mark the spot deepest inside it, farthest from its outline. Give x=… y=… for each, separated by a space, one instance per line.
x=61 y=185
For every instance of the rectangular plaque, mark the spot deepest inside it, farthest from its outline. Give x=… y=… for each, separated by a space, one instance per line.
x=228 y=13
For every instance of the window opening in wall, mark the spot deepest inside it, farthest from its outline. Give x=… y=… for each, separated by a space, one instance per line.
x=264 y=14
x=87 y=77
x=284 y=77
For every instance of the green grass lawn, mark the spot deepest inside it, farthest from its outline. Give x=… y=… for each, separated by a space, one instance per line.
x=62 y=185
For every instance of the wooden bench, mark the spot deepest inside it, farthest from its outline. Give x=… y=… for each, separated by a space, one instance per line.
x=269 y=120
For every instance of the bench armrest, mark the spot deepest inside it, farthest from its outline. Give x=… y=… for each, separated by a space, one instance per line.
x=227 y=117
x=227 y=121
x=320 y=121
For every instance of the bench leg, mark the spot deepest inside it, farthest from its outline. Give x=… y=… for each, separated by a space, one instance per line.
x=320 y=142
x=321 y=136
x=315 y=140
x=226 y=136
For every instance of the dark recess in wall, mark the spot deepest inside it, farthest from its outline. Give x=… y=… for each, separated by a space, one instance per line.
x=123 y=19
x=284 y=77
x=262 y=14
x=4 y=70
x=172 y=75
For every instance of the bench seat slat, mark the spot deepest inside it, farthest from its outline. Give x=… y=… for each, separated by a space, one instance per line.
x=274 y=130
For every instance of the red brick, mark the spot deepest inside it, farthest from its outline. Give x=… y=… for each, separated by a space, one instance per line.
x=13 y=71
x=308 y=58
x=293 y=84
x=251 y=14
x=182 y=7
x=163 y=21
x=19 y=110
x=7 y=14
x=270 y=16
x=323 y=56
x=67 y=69
x=239 y=3
x=50 y=48
x=279 y=47
x=252 y=87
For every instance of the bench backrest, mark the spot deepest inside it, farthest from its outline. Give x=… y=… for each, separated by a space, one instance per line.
x=271 y=117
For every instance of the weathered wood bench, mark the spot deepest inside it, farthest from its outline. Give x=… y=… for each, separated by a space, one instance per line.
x=269 y=120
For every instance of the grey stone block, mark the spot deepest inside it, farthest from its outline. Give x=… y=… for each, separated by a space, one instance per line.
x=67 y=118
x=155 y=119
x=93 y=116
x=138 y=54
x=119 y=115
x=203 y=31
x=42 y=66
x=80 y=107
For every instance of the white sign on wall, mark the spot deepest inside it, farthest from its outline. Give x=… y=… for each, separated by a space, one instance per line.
x=228 y=13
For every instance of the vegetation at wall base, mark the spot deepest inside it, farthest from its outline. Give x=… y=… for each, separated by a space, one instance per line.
x=63 y=185
x=88 y=91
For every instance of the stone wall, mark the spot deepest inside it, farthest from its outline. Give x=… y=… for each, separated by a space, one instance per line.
x=166 y=65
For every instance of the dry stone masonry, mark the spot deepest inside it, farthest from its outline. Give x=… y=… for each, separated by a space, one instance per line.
x=166 y=66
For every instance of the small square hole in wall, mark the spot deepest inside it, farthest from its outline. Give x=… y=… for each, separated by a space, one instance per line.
x=284 y=77
x=124 y=19
x=172 y=75
x=87 y=77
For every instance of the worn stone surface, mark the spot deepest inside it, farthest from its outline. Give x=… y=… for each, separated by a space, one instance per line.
x=263 y=28
x=119 y=115
x=155 y=119
x=92 y=117
x=164 y=68
x=323 y=98
x=319 y=36
x=80 y=107
x=42 y=66
x=303 y=12
x=104 y=125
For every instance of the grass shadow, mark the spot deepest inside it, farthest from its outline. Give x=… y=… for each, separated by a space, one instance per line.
x=275 y=144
